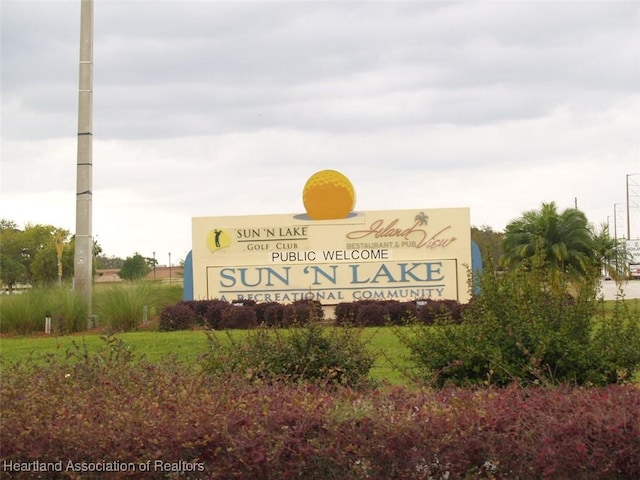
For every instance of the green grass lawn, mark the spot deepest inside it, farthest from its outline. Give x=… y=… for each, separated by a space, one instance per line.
x=391 y=355
x=188 y=345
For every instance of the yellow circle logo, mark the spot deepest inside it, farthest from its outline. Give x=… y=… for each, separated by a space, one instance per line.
x=328 y=195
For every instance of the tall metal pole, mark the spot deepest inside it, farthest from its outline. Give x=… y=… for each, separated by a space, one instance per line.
x=628 y=224
x=83 y=257
x=628 y=206
x=615 y=234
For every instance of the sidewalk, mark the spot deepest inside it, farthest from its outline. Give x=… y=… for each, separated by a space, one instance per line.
x=631 y=289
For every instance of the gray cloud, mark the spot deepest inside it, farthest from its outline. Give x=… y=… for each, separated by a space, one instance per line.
x=199 y=105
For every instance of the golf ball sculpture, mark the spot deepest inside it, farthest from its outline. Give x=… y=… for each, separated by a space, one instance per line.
x=328 y=195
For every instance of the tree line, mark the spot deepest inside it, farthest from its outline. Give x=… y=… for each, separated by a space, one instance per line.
x=29 y=256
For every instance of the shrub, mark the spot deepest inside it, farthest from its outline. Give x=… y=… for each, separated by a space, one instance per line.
x=524 y=327
x=373 y=314
x=433 y=311
x=309 y=352
x=345 y=313
x=273 y=314
x=199 y=308
x=334 y=355
x=302 y=312
x=238 y=317
x=213 y=314
x=177 y=317
x=261 y=309
x=616 y=344
x=514 y=432
x=220 y=315
x=349 y=314
x=368 y=313
x=114 y=407
x=245 y=302
x=401 y=312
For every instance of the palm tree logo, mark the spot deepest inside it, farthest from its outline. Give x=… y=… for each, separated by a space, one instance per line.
x=421 y=219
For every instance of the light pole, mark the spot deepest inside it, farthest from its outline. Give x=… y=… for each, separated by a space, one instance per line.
x=615 y=234
x=615 y=221
x=169 y=268
x=628 y=217
x=154 y=265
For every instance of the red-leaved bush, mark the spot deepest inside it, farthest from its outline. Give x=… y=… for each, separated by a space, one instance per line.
x=96 y=412
x=177 y=317
x=368 y=313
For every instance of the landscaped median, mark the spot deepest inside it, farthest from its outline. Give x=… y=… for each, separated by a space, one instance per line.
x=533 y=384
x=108 y=414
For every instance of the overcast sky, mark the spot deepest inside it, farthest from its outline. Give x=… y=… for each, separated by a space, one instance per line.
x=207 y=108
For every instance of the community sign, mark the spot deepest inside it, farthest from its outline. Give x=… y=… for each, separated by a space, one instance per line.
x=633 y=250
x=332 y=253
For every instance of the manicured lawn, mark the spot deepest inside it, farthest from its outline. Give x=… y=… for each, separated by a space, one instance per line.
x=187 y=346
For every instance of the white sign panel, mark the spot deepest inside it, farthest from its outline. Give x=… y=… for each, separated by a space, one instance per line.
x=378 y=255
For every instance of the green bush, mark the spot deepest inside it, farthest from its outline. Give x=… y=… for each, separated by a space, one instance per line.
x=616 y=344
x=526 y=326
x=433 y=311
x=25 y=313
x=301 y=312
x=309 y=352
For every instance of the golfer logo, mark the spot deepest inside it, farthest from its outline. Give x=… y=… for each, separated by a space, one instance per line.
x=218 y=238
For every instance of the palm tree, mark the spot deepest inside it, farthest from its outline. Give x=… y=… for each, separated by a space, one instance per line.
x=612 y=257
x=421 y=218
x=563 y=240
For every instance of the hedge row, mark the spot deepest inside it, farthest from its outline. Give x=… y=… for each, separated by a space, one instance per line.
x=369 y=313
x=221 y=315
x=164 y=421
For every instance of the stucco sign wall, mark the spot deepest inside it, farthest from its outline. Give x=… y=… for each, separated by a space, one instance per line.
x=378 y=255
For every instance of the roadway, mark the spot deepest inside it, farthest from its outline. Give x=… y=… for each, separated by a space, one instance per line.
x=631 y=289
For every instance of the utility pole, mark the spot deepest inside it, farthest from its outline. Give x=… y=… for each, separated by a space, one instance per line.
x=83 y=257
